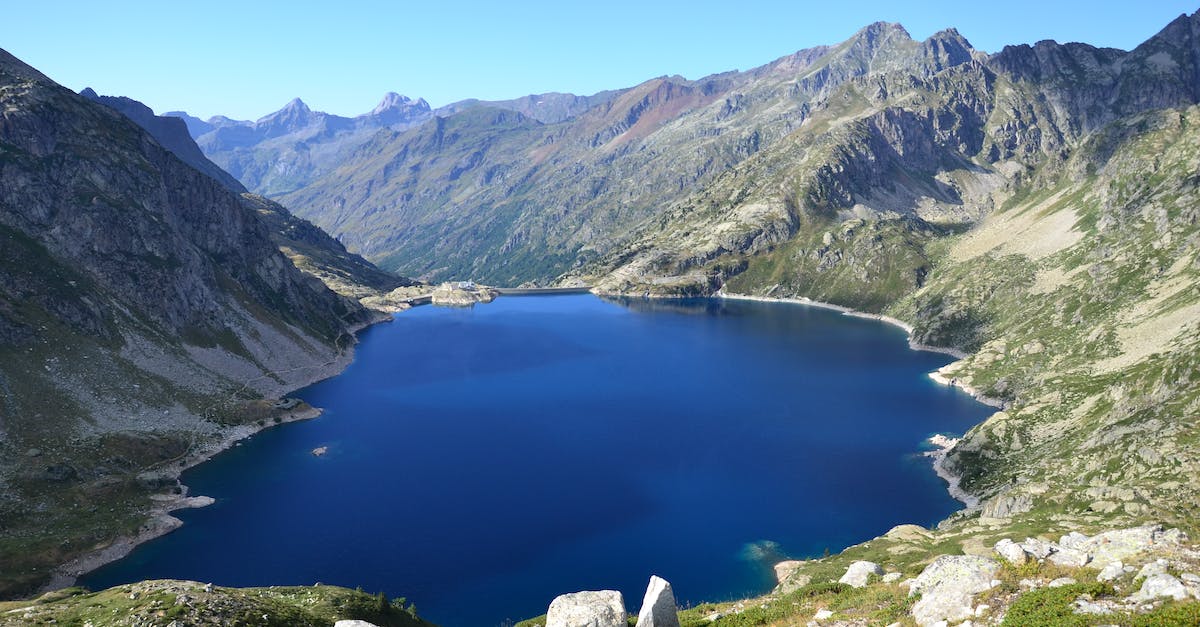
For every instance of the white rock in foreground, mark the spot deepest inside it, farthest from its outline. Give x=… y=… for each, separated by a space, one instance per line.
x=590 y=608
x=859 y=572
x=658 y=606
x=1069 y=557
x=1010 y=551
x=1160 y=585
x=354 y=623
x=947 y=585
x=1110 y=572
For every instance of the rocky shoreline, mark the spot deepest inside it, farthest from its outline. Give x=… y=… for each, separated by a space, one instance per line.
x=955 y=353
x=953 y=481
x=159 y=519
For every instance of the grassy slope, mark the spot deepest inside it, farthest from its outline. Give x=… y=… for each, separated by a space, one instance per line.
x=191 y=603
x=1080 y=302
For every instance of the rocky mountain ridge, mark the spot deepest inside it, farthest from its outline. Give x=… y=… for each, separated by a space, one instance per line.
x=312 y=250
x=524 y=201
x=287 y=149
x=146 y=315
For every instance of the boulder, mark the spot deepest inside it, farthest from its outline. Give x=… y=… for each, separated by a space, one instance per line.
x=859 y=572
x=1062 y=581
x=658 y=606
x=1111 y=571
x=891 y=578
x=1160 y=585
x=1010 y=551
x=1069 y=557
x=1006 y=506
x=785 y=568
x=589 y=608
x=1084 y=606
x=1037 y=548
x=1123 y=544
x=1075 y=540
x=354 y=623
x=947 y=586
x=1157 y=567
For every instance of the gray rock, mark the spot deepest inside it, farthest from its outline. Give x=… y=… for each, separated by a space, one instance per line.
x=1076 y=541
x=891 y=578
x=1122 y=544
x=947 y=585
x=1061 y=581
x=1110 y=572
x=1037 y=548
x=658 y=606
x=589 y=608
x=859 y=572
x=1083 y=606
x=1006 y=506
x=1010 y=551
x=823 y=614
x=1160 y=585
x=1069 y=557
x=1157 y=567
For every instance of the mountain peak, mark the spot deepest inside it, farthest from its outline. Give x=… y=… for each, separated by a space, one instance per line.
x=945 y=48
x=89 y=93
x=294 y=114
x=390 y=100
x=876 y=30
x=949 y=34
x=296 y=104
x=1182 y=32
x=398 y=109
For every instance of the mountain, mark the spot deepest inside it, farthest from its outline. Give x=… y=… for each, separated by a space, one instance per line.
x=170 y=132
x=548 y=108
x=285 y=149
x=527 y=202
x=146 y=318
x=1035 y=210
x=312 y=250
x=315 y=253
x=1032 y=210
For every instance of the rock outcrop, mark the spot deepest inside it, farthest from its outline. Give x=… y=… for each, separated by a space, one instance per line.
x=948 y=586
x=590 y=608
x=140 y=302
x=658 y=605
x=1104 y=551
x=859 y=573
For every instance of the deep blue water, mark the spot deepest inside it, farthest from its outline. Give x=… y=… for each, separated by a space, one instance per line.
x=482 y=461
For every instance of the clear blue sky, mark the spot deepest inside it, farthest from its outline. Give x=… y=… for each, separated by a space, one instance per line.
x=247 y=58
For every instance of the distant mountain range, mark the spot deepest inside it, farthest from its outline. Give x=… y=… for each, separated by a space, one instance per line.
x=287 y=149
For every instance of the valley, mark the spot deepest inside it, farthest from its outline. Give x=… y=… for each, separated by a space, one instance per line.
x=165 y=280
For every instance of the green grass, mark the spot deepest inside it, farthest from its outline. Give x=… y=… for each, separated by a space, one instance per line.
x=160 y=602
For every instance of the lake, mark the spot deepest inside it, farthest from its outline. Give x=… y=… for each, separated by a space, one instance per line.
x=482 y=461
